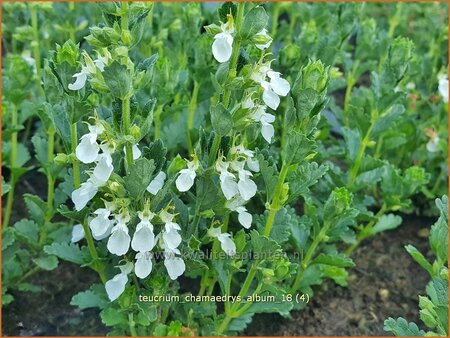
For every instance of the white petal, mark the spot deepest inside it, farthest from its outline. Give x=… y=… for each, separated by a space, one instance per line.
x=79 y=82
x=77 y=233
x=102 y=171
x=222 y=47
x=157 y=183
x=443 y=88
x=136 y=152
x=100 y=224
x=253 y=164
x=143 y=238
x=171 y=239
x=247 y=188
x=433 y=145
x=84 y=194
x=119 y=241
x=267 y=45
x=271 y=98
x=100 y=64
x=244 y=217
x=116 y=286
x=229 y=187
x=267 y=131
x=143 y=265
x=280 y=86
x=175 y=266
x=185 y=180
x=227 y=244
x=87 y=149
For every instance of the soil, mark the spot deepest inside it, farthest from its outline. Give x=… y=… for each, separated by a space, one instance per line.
x=386 y=282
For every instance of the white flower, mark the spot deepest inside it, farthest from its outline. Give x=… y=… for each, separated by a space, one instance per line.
x=443 y=87
x=101 y=224
x=77 y=233
x=175 y=265
x=136 y=151
x=88 y=148
x=252 y=163
x=274 y=88
x=157 y=183
x=102 y=170
x=267 y=129
x=80 y=79
x=119 y=241
x=226 y=242
x=84 y=194
x=263 y=33
x=143 y=265
x=116 y=286
x=244 y=217
x=433 y=145
x=144 y=238
x=227 y=180
x=187 y=176
x=247 y=188
x=171 y=237
x=101 y=62
x=223 y=43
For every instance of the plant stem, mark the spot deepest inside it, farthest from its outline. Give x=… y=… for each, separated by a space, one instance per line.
x=132 y=325
x=276 y=14
x=362 y=148
x=214 y=149
x=192 y=108
x=309 y=254
x=35 y=44
x=72 y=27
x=75 y=164
x=28 y=274
x=126 y=129
x=351 y=81
x=366 y=231
x=275 y=205
x=76 y=183
x=50 y=179
x=231 y=313
x=13 y=160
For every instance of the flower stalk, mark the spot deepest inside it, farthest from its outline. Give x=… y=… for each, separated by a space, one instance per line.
x=13 y=160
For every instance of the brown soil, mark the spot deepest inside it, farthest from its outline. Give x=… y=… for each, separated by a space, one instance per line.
x=385 y=283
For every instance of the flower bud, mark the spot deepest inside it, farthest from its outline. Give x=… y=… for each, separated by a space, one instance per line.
x=315 y=76
x=62 y=159
x=127 y=38
x=212 y=29
x=68 y=53
x=117 y=188
x=135 y=131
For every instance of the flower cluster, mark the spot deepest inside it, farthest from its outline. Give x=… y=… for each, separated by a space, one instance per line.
x=113 y=220
x=90 y=69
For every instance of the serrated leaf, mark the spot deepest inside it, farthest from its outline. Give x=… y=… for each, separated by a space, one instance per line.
x=221 y=120
x=118 y=80
x=386 y=222
x=338 y=260
x=401 y=327
x=113 y=317
x=304 y=177
x=69 y=252
x=28 y=230
x=419 y=258
x=95 y=297
x=47 y=263
x=298 y=147
x=36 y=207
x=254 y=22
x=139 y=177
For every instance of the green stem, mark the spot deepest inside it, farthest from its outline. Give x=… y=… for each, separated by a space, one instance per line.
x=276 y=203
x=366 y=231
x=351 y=81
x=35 y=44
x=214 y=149
x=157 y=120
x=26 y=134
x=13 y=160
x=126 y=118
x=362 y=148
x=192 y=108
x=72 y=27
x=75 y=164
x=28 y=274
x=132 y=325
x=50 y=178
x=247 y=283
x=276 y=14
x=309 y=254
x=438 y=183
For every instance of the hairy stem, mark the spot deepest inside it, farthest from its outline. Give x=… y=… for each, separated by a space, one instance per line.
x=192 y=108
x=35 y=44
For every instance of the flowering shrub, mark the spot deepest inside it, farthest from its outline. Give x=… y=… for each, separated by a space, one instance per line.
x=203 y=153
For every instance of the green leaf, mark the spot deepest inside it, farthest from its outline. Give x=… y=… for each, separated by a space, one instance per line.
x=353 y=141
x=338 y=260
x=156 y=152
x=386 y=120
x=439 y=231
x=77 y=216
x=304 y=177
x=239 y=324
x=254 y=22
x=284 y=218
x=69 y=252
x=263 y=247
x=401 y=327
x=118 y=80
x=269 y=175
x=221 y=120
x=5 y=187
x=7 y=238
x=139 y=177
x=46 y=262
x=27 y=287
x=113 y=317
x=386 y=222
x=95 y=297
x=419 y=258
x=225 y=9
x=36 y=207
x=28 y=230
x=298 y=147
x=148 y=63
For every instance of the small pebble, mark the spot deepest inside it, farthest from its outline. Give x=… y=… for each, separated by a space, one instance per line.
x=423 y=233
x=384 y=294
